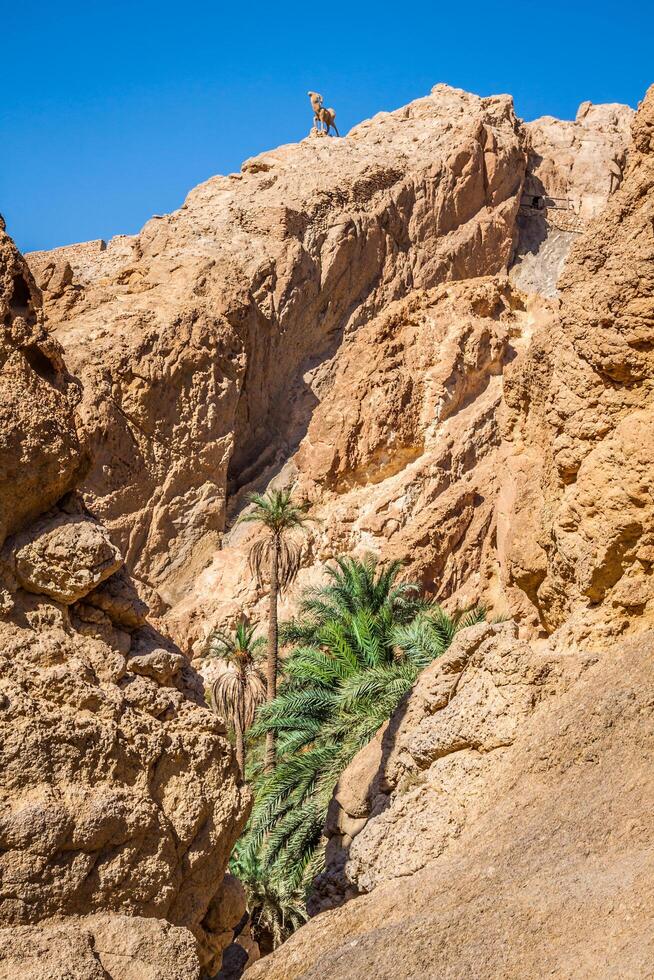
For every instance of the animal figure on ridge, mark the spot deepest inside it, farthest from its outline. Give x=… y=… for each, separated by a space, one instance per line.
x=321 y=115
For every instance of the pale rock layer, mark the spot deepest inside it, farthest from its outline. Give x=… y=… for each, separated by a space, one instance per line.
x=572 y=170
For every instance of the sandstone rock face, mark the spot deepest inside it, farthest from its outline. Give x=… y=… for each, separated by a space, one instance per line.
x=579 y=409
x=572 y=170
x=336 y=315
x=65 y=557
x=439 y=752
x=497 y=826
x=533 y=498
x=99 y=946
x=41 y=453
x=344 y=315
x=119 y=795
x=197 y=351
x=508 y=832
x=402 y=452
x=119 y=791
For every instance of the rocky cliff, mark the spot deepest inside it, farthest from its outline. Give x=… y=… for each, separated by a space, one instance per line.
x=120 y=798
x=440 y=330
x=499 y=824
x=578 y=533
x=293 y=322
x=202 y=342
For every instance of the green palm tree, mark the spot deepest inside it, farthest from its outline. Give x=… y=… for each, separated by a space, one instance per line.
x=276 y=909
x=352 y=585
x=362 y=642
x=240 y=687
x=276 y=556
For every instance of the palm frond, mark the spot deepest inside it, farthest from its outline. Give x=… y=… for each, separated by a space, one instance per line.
x=276 y=908
x=238 y=693
x=359 y=642
x=240 y=686
x=470 y=617
x=390 y=681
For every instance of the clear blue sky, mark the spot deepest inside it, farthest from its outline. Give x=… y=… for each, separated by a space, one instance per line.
x=112 y=111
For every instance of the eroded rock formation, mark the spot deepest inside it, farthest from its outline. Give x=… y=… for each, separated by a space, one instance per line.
x=337 y=315
x=41 y=453
x=347 y=316
x=579 y=533
x=572 y=170
x=200 y=344
x=402 y=453
x=119 y=795
x=499 y=825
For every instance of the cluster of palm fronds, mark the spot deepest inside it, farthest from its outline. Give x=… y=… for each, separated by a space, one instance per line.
x=357 y=645
x=276 y=908
x=360 y=643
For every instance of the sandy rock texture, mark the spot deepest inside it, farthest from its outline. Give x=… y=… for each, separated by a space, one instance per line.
x=98 y=947
x=578 y=538
x=42 y=453
x=65 y=557
x=198 y=348
x=411 y=792
x=401 y=454
x=526 y=424
x=342 y=315
x=508 y=832
x=119 y=795
x=572 y=170
x=335 y=315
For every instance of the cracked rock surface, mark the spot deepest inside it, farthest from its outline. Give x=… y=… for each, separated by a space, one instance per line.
x=119 y=795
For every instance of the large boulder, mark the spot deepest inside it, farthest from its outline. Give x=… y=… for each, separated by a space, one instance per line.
x=65 y=557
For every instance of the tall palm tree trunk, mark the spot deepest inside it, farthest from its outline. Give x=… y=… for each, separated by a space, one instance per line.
x=271 y=667
x=240 y=747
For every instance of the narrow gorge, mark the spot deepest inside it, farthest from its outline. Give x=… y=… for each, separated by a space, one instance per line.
x=438 y=331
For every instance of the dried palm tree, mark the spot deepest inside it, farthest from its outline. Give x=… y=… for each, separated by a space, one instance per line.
x=276 y=556
x=240 y=687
